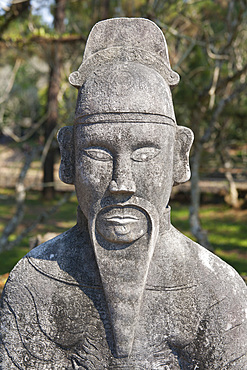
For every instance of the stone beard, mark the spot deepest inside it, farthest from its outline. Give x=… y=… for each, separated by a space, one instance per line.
x=123 y=252
x=123 y=289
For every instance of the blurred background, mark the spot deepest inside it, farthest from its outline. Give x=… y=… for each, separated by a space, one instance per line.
x=42 y=42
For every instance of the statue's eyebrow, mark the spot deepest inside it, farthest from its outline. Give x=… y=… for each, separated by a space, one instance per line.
x=95 y=141
x=145 y=143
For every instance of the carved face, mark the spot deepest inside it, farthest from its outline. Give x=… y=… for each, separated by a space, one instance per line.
x=116 y=163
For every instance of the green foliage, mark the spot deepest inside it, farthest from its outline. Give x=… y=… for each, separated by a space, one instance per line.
x=24 y=106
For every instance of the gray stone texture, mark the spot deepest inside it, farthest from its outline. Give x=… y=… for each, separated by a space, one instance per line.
x=123 y=289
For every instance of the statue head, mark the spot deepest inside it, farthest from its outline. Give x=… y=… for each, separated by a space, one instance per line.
x=125 y=150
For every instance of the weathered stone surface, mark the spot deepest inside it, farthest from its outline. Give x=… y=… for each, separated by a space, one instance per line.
x=124 y=289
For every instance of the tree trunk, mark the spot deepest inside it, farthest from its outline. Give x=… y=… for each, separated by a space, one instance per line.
x=20 y=191
x=195 y=223
x=52 y=101
x=232 y=198
x=105 y=9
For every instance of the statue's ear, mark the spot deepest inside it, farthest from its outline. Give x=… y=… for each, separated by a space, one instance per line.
x=181 y=167
x=66 y=145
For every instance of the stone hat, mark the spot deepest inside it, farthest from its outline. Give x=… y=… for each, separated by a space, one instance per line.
x=125 y=40
x=125 y=70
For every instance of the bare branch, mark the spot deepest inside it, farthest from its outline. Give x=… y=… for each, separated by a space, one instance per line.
x=40 y=219
x=233 y=25
x=47 y=145
x=222 y=103
x=234 y=77
x=7 y=131
x=185 y=55
x=20 y=199
x=11 y=81
x=178 y=34
x=216 y=56
x=16 y=9
x=14 y=2
x=213 y=87
x=6 y=43
x=208 y=46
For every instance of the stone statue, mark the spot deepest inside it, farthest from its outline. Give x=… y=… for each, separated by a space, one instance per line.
x=123 y=289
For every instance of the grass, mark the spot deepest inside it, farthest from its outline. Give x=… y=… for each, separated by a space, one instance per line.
x=57 y=223
x=227 y=231
x=226 y=227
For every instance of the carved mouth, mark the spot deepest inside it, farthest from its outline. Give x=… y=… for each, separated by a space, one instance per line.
x=120 y=223
x=122 y=220
x=121 y=211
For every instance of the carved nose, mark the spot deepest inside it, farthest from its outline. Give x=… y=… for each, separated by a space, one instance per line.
x=122 y=182
x=118 y=187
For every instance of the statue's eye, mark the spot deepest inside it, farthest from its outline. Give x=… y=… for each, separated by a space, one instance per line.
x=98 y=154
x=145 y=154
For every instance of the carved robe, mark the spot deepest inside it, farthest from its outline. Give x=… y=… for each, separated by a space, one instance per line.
x=54 y=314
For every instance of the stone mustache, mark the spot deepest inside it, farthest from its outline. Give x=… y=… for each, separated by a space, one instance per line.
x=123 y=289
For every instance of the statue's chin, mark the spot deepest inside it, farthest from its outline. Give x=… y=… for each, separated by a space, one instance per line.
x=122 y=224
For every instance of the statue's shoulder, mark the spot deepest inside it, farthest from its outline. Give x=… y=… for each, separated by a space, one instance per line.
x=50 y=250
x=55 y=260
x=55 y=247
x=211 y=269
x=197 y=264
